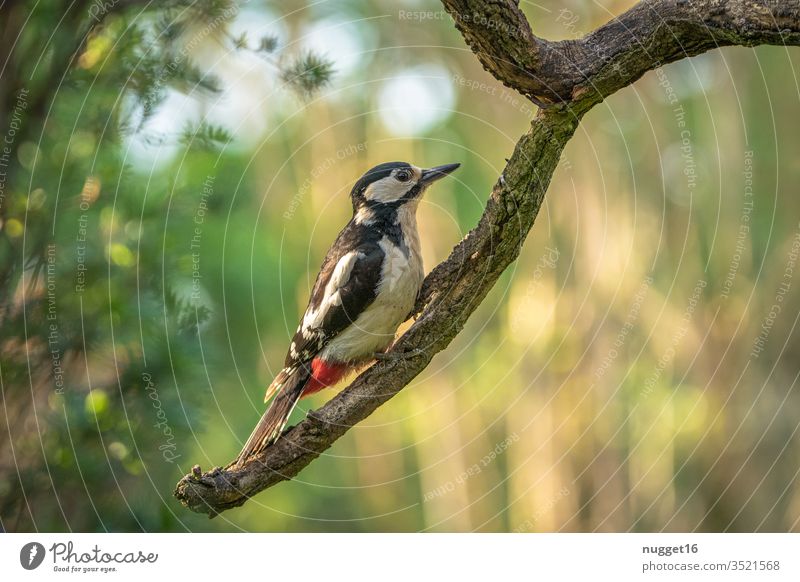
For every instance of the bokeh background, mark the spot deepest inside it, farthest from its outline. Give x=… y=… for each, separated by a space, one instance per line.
x=171 y=196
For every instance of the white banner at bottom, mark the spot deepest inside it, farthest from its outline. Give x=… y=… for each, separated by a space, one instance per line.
x=416 y=557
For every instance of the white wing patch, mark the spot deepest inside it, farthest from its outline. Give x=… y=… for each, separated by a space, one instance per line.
x=375 y=327
x=331 y=297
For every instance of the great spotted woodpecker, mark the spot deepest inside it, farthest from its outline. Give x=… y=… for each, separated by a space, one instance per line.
x=366 y=288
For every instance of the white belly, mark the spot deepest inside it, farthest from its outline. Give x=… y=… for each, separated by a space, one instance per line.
x=375 y=328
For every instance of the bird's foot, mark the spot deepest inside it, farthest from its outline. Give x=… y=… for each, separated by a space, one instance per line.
x=395 y=356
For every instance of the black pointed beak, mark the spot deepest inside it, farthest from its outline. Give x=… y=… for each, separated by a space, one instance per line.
x=432 y=174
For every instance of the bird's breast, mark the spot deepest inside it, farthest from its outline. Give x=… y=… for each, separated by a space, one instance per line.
x=374 y=329
x=402 y=272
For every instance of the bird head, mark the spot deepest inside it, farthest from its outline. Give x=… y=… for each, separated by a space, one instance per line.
x=393 y=184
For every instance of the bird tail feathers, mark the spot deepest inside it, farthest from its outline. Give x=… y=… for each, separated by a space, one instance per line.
x=274 y=420
x=278 y=383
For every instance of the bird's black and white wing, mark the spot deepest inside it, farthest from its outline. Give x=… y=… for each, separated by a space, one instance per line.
x=343 y=290
x=345 y=287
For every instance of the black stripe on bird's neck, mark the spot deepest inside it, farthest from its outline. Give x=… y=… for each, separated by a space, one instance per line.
x=383 y=219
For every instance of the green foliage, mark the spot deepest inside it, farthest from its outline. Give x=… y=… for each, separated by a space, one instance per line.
x=205 y=136
x=307 y=73
x=115 y=300
x=268 y=44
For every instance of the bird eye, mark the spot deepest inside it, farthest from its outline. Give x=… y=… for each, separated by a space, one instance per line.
x=403 y=176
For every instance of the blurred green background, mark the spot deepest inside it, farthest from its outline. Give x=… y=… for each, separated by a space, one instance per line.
x=174 y=193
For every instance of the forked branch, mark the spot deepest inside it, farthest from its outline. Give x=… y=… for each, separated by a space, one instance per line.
x=566 y=78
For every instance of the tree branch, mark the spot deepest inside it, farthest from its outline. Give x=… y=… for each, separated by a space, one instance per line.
x=569 y=77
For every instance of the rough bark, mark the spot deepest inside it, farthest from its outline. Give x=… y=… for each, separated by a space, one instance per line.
x=566 y=78
x=589 y=69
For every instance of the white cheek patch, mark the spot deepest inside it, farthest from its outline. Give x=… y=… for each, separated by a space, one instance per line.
x=387 y=190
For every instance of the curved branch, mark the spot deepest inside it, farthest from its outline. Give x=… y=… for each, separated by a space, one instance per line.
x=589 y=69
x=454 y=290
x=653 y=32
x=500 y=36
